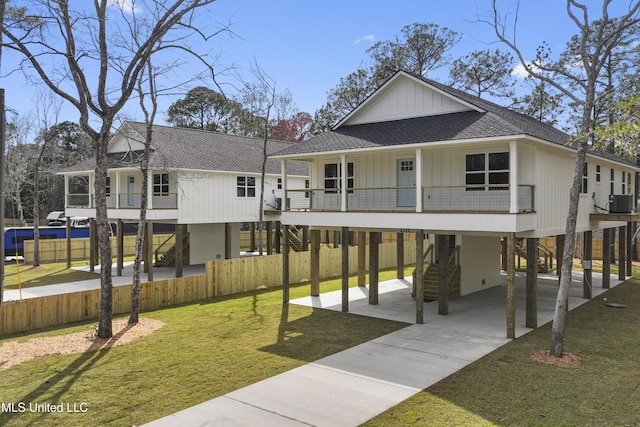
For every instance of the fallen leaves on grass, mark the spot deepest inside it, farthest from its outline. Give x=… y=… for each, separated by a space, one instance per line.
x=568 y=360
x=14 y=352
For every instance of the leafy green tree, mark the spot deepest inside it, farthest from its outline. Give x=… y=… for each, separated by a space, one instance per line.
x=204 y=108
x=483 y=72
x=576 y=74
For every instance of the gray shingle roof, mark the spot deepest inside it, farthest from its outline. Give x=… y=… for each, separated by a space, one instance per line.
x=493 y=121
x=185 y=148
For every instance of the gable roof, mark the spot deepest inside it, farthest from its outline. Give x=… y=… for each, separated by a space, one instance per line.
x=195 y=149
x=484 y=119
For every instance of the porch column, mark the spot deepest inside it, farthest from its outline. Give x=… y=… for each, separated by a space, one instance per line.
x=606 y=258
x=400 y=255
x=284 y=206
x=419 y=276
x=92 y=183
x=532 y=283
x=315 y=263
x=150 y=187
x=180 y=235
x=68 y=236
x=419 y=180
x=373 y=267
x=228 y=231
x=345 y=269
x=513 y=177
x=362 y=258
x=93 y=238
x=285 y=268
x=511 y=285
x=149 y=260
x=621 y=252
x=629 y=248
x=343 y=179
x=443 y=285
x=587 y=277
x=117 y=193
x=119 y=247
x=66 y=191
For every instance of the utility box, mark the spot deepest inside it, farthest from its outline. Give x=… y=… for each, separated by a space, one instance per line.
x=620 y=203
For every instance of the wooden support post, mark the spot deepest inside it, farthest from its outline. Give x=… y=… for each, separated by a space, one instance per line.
x=277 y=242
x=228 y=232
x=373 y=267
x=252 y=237
x=285 y=266
x=336 y=239
x=119 y=247
x=315 y=263
x=419 y=276
x=93 y=239
x=345 y=269
x=504 y=253
x=180 y=235
x=305 y=238
x=149 y=261
x=68 y=242
x=511 y=285
x=400 y=255
x=362 y=258
x=559 y=254
x=269 y=230
x=443 y=285
x=606 y=258
x=532 y=283
x=629 y=257
x=622 y=231
x=587 y=277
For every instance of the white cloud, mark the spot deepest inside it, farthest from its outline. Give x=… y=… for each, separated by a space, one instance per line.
x=520 y=72
x=123 y=5
x=368 y=38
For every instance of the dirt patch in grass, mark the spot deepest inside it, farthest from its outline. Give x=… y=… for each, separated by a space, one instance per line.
x=14 y=352
x=568 y=360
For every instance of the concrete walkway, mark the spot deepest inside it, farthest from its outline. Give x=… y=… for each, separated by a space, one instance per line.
x=355 y=385
x=159 y=273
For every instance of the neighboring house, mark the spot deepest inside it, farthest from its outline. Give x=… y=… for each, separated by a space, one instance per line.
x=419 y=155
x=206 y=181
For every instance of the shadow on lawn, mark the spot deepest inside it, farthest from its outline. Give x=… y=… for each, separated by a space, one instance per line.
x=62 y=382
x=325 y=332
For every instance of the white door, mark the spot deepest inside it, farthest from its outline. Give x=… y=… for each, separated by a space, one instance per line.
x=131 y=188
x=406 y=178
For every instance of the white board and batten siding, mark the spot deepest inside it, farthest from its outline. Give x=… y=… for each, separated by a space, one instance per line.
x=405 y=98
x=212 y=197
x=206 y=242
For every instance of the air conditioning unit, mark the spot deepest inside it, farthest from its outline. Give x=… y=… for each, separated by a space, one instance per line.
x=620 y=203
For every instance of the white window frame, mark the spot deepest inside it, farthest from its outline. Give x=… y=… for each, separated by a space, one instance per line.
x=161 y=188
x=487 y=172
x=246 y=186
x=336 y=180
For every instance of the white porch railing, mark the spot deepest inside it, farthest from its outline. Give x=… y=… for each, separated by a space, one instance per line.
x=467 y=198
x=126 y=201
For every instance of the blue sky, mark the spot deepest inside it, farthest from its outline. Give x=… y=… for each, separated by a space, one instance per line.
x=307 y=46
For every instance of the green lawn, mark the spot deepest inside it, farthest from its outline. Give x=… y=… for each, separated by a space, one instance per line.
x=206 y=349
x=45 y=274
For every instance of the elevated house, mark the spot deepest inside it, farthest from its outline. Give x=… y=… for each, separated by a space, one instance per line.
x=418 y=156
x=205 y=183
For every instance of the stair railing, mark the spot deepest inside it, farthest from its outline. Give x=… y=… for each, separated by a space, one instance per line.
x=454 y=259
x=157 y=251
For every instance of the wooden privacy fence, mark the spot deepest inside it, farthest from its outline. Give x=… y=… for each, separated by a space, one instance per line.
x=222 y=277
x=55 y=250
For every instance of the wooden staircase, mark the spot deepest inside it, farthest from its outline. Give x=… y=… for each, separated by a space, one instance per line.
x=295 y=242
x=168 y=258
x=431 y=276
x=545 y=256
